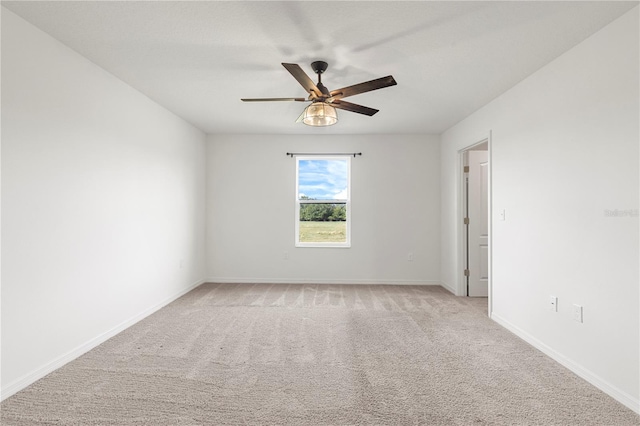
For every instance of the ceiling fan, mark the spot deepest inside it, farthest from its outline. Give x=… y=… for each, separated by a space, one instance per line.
x=322 y=111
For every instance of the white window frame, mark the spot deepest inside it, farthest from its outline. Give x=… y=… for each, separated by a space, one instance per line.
x=347 y=203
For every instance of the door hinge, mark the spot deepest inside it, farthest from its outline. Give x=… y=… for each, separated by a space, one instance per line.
x=466 y=273
x=466 y=169
x=466 y=220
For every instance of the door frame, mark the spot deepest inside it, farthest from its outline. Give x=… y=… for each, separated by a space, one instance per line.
x=461 y=282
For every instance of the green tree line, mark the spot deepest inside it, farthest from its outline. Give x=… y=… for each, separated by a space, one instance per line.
x=323 y=212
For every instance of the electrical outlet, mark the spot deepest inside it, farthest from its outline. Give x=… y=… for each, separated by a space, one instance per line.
x=502 y=215
x=410 y=257
x=553 y=303
x=285 y=255
x=577 y=313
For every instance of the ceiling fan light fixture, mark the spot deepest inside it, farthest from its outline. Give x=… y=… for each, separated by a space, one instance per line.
x=320 y=114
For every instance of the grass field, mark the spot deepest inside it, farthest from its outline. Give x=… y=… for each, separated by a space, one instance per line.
x=323 y=232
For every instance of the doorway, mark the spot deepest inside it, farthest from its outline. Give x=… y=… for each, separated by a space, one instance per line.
x=475 y=209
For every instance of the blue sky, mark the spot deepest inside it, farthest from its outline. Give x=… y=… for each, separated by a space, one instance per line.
x=323 y=179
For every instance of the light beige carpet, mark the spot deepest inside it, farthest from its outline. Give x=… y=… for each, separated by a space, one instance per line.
x=315 y=355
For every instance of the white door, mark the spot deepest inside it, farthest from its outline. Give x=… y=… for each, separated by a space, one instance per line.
x=478 y=236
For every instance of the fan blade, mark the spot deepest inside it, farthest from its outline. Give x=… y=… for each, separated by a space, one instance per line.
x=363 y=87
x=274 y=99
x=303 y=79
x=348 y=106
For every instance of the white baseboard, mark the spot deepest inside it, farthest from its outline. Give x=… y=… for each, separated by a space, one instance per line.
x=29 y=378
x=448 y=288
x=619 y=395
x=317 y=281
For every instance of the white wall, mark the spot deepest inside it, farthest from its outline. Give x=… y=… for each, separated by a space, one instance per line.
x=395 y=210
x=564 y=150
x=102 y=197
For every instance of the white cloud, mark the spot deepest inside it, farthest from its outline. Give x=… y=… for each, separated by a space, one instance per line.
x=342 y=195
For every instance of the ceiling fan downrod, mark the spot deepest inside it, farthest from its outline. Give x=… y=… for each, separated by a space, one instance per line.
x=319 y=67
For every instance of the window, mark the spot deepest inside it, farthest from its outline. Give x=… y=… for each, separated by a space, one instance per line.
x=322 y=201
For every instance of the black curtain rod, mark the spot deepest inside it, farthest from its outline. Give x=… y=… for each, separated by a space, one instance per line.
x=292 y=154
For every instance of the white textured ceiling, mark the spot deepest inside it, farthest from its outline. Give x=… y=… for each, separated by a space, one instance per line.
x=198 y=59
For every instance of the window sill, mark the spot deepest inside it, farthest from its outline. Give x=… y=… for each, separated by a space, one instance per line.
x=324 y=245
